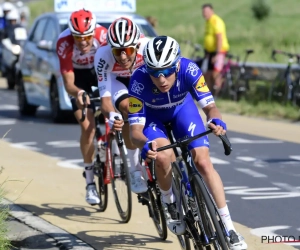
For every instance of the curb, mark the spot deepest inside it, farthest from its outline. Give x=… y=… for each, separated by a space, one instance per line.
x=63 y=239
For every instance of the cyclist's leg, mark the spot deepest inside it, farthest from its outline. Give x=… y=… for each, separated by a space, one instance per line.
x=192 y=124
x=218 y=66
x=83 y=78
x=121 y=103
x=163 y=170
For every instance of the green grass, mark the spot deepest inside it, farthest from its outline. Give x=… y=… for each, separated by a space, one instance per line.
x=263 y=109
x=183 y=21
x=4 y=241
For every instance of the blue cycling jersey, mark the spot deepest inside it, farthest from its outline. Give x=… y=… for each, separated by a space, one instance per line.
x=146 y=100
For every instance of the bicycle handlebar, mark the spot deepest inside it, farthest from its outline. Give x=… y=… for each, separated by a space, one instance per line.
x=290 y=55
x=185 y=141
x=83 y=112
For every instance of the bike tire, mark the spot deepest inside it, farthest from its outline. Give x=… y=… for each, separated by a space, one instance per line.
x=184 y=240
x=125 y=214
x=157 y=212
x=102 y=187
x=201 y=192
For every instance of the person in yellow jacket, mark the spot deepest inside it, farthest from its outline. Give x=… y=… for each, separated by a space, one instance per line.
x=216 y=46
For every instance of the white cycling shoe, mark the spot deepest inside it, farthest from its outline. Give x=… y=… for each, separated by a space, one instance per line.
x=175 y=225
x=236 y=241
x=137 y=182
x=92 y=196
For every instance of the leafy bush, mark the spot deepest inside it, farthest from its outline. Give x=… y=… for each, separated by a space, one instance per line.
x=261 y=9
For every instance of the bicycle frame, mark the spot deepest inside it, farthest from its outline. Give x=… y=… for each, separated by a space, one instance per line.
x=191 y=171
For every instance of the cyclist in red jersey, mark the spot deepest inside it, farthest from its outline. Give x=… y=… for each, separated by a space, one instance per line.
x=76 y=47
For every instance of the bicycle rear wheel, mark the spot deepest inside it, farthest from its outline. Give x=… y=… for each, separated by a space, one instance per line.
x=102 y=187
x=120 y=181
x=209 y=217
x=184 y=240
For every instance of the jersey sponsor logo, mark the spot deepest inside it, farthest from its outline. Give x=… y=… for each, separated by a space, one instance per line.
x=85 y=61
x=155 y=91
x=61 y=49
x=135 y=105
x=201 y=85
x=137 y=87
x=192 y=69
x=100 y=67
x=136 y=120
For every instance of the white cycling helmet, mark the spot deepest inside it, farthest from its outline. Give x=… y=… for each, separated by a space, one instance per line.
x=161 y=52
x=82 y=22
x=13 y=15
x=7 y=6
x=123 y=32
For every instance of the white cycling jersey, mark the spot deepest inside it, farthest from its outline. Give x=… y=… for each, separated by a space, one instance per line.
x=107 y=69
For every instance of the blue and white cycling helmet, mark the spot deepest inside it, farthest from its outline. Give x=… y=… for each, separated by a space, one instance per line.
x=161 y=52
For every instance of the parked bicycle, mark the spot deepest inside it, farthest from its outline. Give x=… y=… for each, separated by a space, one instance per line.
x=234 y=87
x=113 y=168
x=196 y=205
x=286 y=87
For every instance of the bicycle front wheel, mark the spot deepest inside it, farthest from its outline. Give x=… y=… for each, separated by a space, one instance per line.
x=120 y=181
x=102 y=187
x=183 y=240
x=210 y=219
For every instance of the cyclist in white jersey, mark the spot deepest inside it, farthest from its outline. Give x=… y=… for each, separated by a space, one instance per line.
x=114 y=65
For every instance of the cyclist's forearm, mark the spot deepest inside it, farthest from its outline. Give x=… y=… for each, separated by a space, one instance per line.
x=70 y=87
x=137 y=137
x=106 y=106
x=211 y=111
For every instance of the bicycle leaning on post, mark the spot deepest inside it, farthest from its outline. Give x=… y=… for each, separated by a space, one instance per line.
x=196 y=205
x=113 y=168
x=286 y=87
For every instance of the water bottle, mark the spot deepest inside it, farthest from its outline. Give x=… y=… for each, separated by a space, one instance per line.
x=101 y=149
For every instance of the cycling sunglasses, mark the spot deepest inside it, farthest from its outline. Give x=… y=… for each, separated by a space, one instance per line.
x=83 y=38
x=164 y=72
x=118 y=51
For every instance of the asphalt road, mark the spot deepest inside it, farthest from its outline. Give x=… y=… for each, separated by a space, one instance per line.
x=261 y=176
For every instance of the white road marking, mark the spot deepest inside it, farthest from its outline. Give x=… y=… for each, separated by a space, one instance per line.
x=251 y=172
x=71 y=164
x=246 y=141
x=218 y=161
x=26 y=145
x=8 y=121
x=246 y=158
x=62 y=237
x=64 y=144
x=295 y=157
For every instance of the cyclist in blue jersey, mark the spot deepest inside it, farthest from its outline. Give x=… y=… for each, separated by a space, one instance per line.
x=160 y=92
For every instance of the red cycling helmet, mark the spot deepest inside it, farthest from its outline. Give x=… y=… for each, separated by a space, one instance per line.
x=82 y=22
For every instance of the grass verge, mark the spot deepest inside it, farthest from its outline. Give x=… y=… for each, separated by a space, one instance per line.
x=4 y=241
x=274 y=111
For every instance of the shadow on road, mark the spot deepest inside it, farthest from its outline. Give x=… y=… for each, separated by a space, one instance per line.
x=121 y=240
x=72 y=212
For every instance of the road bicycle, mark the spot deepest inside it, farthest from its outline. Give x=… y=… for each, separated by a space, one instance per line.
x=113 y=168
x=286 y=87
x=197 y=207
x=152 y=199
x=234 y=87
